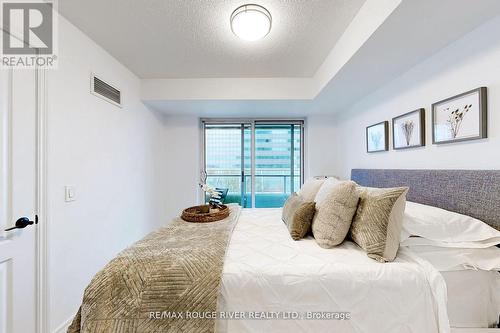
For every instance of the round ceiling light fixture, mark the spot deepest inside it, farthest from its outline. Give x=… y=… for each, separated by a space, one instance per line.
x=251 y=22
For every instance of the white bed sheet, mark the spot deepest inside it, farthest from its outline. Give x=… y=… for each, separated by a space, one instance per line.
x=473 y=298
x=266 y=271
x=446 y=259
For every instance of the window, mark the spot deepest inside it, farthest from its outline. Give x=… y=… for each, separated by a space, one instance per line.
x=259 y=162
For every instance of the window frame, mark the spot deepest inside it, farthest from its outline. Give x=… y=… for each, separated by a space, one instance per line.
x=252 y=122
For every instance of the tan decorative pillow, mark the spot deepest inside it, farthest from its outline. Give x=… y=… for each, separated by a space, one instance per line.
x=334 y=214
x=376 y=227
x=325 y=189
x=310 y=188
x=297 y=215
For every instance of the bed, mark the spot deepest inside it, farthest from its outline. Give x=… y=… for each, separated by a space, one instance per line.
x=260 y=280
x=265 y=270
x=473 y=295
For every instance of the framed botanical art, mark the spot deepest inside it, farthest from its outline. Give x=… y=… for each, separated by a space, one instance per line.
x=460 y=118
x=408 y=130
x=377 y=137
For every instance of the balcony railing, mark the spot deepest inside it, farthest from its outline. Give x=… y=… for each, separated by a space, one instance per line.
x=270 y=190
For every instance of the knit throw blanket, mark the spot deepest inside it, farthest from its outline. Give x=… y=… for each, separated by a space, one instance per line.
x=167 y=282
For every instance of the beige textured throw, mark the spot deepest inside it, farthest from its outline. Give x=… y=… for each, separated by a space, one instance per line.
x=174 y=270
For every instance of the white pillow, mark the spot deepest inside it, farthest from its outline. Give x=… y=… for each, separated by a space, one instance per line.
x=439 y=227
x=456 y=259
x=326 y=188
x=310 y=188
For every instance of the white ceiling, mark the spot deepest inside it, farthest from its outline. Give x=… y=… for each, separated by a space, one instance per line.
x=322 y=56
x=410 y=33
x=193 y=39
x=416 y=30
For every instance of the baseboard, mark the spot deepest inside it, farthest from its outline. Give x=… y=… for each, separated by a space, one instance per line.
x=475 y=330
x=63 y=328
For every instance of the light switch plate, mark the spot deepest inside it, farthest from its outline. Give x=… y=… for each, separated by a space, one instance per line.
x=69 y=193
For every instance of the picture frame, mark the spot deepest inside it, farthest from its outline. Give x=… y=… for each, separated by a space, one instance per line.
x=408 y=130
x=460 y=118
x=377 y=137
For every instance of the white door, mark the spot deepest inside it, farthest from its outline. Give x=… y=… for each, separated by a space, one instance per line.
x=18 y=178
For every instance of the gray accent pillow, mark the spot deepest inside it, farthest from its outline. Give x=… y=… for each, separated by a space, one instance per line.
x=377 y=225
x=334 y=214
x=297 y=215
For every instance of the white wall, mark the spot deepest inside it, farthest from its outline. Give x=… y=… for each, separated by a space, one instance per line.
x=183 y=168
x=319 y=142
x=471 y=62
x=116 y=158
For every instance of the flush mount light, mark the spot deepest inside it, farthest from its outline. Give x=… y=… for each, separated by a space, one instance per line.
x=251 y=22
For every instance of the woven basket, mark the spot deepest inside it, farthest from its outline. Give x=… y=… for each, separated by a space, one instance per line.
x=194 y=214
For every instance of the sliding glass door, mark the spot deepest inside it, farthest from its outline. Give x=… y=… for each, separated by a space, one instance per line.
x=267 y=154
x=228 y=160
x=277 y=163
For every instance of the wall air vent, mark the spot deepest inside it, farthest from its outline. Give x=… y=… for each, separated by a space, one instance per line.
x=106 y=91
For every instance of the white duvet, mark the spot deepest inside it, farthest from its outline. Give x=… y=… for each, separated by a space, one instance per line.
x=267 y=274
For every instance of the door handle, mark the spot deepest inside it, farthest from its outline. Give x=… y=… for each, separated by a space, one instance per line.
x=23 y=222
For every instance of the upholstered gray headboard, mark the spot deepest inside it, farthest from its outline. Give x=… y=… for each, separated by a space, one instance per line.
x=471 y=192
